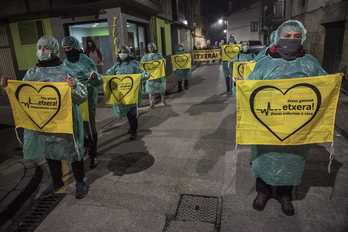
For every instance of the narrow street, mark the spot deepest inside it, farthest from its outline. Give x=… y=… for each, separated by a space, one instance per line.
x=184 y=172
x=188 y=147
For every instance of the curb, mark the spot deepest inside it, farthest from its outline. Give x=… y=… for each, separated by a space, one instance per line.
x=10 y=204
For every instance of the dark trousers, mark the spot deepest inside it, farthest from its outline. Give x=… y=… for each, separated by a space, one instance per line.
x=228 y=82
x=133 y=122
x=185 y=84
x=265 y=188
x=91 y=142
x=55 y=167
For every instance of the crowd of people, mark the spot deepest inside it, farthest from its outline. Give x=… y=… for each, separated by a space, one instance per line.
x=272 y=165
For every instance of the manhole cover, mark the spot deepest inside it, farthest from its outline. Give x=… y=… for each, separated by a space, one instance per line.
x=130 y=163
x=198 y=208
x=32 y=218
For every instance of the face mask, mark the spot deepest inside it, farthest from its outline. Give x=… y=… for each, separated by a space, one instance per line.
x=42 y=55
x=73 y=55
x=123 y=56
x=230 y=43
x=181 y=49
x=289 y=48
x=245 y=48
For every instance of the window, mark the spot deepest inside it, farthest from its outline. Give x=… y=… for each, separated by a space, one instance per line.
x=254 y=26
x=136 y=38
x=30 y=32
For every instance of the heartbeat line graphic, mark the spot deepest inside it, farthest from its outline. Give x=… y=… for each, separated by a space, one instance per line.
x=267 y=110
x=27 y=104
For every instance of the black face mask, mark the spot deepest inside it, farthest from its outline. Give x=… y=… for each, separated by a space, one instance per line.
x=73 y=55
x=288 y=49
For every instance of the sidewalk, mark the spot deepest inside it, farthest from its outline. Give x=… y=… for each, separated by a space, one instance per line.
x=19 y=180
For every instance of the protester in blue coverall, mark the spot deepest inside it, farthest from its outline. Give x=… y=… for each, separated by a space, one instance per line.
x=157 y=85
x=183 y=74
x=55 y=147
x=86 y=71
x=126 y=64
x=227 y=67
x=273 y=165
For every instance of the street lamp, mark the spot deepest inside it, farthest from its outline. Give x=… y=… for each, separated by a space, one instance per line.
x=220 y=21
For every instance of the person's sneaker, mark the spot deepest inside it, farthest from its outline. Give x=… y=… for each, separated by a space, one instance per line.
x=164 y=102
x=51 y=189
x=93 y=162
x=286 y=206
x=81 y=190
x=260 y=201
x=133 y=136
x=179 y=90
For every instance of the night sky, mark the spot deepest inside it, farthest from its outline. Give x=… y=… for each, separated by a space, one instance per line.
x=216 y=9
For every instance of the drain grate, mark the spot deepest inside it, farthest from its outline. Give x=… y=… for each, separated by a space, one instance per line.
x=32 y=218
x=199 y=208
x=131 y=163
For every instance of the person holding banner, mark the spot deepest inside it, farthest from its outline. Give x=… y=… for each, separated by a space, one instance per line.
x=276 y=165
x=227 y=67
x=243 y=56
x=55 y=147
x=183 y=74
x=126 y=64
x=156 y=85
x=86 y=71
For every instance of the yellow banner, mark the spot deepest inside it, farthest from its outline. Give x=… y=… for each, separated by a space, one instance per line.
x=181 y=61
x=154 y=68
x=121 y=89
x=203 y=55
x=287 y=111
x=230 y=51
x=243 y=71
x=84 y=107
x=41 y=106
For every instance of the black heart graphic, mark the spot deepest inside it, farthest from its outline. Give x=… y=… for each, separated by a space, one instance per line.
x=240 y=70
x=178 y=59
x=111 y=87
x=312 y=87
x=148 y=68
x=230 y=49
x=38 y=91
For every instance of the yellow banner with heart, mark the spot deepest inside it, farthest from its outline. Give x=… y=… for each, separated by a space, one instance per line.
x=84 y=107
x=229 y=51
x=154 y=68
x=243 y=69
x=121 y=89
x=287 y=111
x=181 y=61
x=41 y=106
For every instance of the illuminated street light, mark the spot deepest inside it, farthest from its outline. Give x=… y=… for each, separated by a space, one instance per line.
x=220 y=21
x=225 y=31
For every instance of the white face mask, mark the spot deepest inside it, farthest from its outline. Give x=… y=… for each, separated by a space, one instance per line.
x=181 y=49
x=123 y=56
x=245 y=48
x=42 y=55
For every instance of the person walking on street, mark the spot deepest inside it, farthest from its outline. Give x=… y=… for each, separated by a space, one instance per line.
x=183 y=74
x=126 y=64
x=56 y=146
x=157 y=85
x=86 y=71
x=273 y=165
x=227 y=67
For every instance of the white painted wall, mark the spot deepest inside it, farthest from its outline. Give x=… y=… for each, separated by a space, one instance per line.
x=239 y=23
